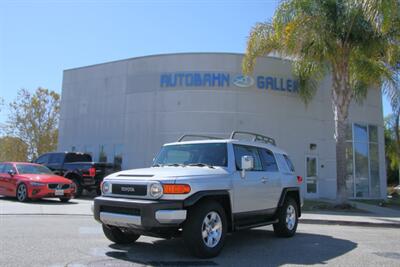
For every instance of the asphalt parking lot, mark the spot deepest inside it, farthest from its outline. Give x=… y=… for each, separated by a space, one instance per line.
x=77 y=240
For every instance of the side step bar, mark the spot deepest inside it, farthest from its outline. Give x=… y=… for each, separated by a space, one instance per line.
x=247 y=226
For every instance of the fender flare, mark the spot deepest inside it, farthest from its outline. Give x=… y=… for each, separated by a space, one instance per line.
x=285 y=191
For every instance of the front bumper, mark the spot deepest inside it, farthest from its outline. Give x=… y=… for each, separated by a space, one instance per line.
x=37 y=192
x=138 y=213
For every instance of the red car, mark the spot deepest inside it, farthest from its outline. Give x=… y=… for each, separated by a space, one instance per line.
x=33 y=181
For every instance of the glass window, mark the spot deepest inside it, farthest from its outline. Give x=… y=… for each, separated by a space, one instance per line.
x=44 y=159
x=1 y=168
x=56 y=158
x=373 y=133
x=360 y=133
x=282 y=163
x=361 y=169
x=8 y=167
x=311 y=167
x=32 y=169
x=241 y=151
x=102 y=154
x=214 y=154
x=78 y=157
x=289 y=163
x=118 y=156
x=374 y=167
x=268 y=160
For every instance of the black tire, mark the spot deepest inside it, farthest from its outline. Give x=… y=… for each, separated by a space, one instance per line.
x=78 y=187
x=22 y=193
x=283 y=228
x=195 y=226
x=65 y=199
x=117 y=236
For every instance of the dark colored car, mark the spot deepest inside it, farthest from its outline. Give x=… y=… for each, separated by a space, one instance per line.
x=79 y=168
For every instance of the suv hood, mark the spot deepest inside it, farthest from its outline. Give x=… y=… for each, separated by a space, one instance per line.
x=166 y=173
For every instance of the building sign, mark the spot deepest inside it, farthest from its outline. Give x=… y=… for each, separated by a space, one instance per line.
x=222 y=79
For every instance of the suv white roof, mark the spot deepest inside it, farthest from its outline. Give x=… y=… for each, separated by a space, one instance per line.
x=270 y=147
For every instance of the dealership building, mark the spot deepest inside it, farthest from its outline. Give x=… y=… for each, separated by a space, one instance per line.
x=123 y=111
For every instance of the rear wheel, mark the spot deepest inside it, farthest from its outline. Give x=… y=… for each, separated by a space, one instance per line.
x=205 y=229
x=22 y=193
x=288 y=219
x=114 y=234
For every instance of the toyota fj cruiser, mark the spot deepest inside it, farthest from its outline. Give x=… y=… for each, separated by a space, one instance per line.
x=202 y=190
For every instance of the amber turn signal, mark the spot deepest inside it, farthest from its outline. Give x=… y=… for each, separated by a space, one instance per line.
x=176 y=188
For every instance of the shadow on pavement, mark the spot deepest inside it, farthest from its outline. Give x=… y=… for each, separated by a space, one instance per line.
x=43 y=201
x=247 y=248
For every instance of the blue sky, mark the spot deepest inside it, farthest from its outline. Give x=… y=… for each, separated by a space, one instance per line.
x=41 y=38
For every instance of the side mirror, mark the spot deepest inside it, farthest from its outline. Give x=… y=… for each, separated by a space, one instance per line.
x=247 y=164
x=11 y=173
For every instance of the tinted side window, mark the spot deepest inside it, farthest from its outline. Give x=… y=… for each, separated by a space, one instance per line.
x=289 y=163
x=56 y=158
x=44 y=159
x=75 y=157
x=268 y=160
x=241 y=151
x=8 y=167
x=1 y=168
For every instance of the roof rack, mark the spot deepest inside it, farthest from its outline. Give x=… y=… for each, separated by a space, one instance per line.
x=256 y=137
x=196 y=135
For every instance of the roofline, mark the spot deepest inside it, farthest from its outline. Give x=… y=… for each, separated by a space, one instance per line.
x=172 y=54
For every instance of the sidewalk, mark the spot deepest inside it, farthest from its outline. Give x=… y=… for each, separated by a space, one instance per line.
x=374 y=216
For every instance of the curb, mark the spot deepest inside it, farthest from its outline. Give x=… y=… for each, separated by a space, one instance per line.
x=349 y=223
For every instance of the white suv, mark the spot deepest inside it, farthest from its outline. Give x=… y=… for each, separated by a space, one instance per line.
x=201 y=190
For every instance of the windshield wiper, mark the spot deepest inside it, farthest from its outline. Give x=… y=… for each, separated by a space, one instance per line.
x=201 y=165
x=176 y=165
x=157 y=165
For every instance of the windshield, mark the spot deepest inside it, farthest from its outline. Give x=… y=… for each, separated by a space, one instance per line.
x=32 y=169
x=211 y=154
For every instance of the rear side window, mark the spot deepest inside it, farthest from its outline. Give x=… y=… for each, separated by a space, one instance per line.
x=74 y=157
x=289 y=163
x=268 y=160
x=2 y=168
x=44 y=159
x=56 y=158
x=241 y=151
x=283 y=163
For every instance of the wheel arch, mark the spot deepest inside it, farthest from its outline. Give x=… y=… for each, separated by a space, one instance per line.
x=220 y=196
x=293 y=192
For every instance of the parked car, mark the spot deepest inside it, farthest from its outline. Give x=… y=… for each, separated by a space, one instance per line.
x=33 y=181
x=201 y=190
x=79 y=168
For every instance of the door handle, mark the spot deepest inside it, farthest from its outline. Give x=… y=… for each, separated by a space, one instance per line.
x=264 y=180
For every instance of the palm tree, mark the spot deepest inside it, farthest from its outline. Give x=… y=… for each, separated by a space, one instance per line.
x=355 y=41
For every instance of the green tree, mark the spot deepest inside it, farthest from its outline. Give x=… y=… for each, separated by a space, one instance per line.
x=34 y=119
x=13 y=149
x=392 y=148
x=355 y=41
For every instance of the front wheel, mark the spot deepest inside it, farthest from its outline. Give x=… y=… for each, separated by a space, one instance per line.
x=22 y=193
x=205 y=229
x=115 y=235
x=288 y=219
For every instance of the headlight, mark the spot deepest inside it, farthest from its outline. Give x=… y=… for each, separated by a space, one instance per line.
x=156 y=190
x=37 y=184
x=106 y=188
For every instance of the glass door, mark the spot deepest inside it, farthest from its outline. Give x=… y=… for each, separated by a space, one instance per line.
x=311 y=176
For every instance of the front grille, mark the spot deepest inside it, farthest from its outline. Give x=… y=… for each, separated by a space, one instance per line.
x=120 y=210
x=58 y=186
x=129 y=189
